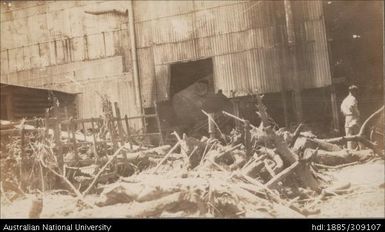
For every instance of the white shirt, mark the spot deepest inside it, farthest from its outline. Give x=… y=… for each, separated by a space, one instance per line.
x=349 y=108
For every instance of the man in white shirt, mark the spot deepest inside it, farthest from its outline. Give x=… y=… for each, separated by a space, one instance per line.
x=349 y=108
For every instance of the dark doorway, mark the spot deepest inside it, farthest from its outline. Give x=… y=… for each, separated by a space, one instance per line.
x=185 y=74
x=187 y=89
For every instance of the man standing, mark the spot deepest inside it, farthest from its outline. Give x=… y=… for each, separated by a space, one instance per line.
x=349 y=108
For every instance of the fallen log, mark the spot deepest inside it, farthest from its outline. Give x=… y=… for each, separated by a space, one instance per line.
x=339 y=157
x=324 y=145
x=155 y=207
x=302 y=171
x=165 y=157
x=356 y=138
x=296 y=134
x=273 y=182
x=102 y=170
x=360 y=136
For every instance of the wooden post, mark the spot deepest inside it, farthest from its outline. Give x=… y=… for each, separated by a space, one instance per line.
x=84 y=132
x=235 y=103
x=247 y=137
x=159 y=124
x=293 y=57
x=73 y=131
x=119 y=123
x=335 y=111
x=58 y=144
x=93 y=129
x=57 y=131
x=128 y=131
x=211 y=125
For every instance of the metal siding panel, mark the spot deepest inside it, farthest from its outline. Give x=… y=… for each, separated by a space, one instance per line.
x=4 y=62
x=143 y=32
x=172 y=29
x=204 y=4
x=95 y=46
x=248 y=72
x=147 y=76
x=162 y=73
x=118 y=90
x=148 y=10
x=315 y=70
x=173 y=52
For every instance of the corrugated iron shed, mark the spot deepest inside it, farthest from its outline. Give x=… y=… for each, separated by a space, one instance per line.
x=244 y=38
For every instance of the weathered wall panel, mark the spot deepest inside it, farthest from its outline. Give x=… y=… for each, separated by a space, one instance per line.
x=244 y=38
x=147 y=74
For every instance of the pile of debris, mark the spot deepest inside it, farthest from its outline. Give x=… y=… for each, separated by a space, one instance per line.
x=255 y=171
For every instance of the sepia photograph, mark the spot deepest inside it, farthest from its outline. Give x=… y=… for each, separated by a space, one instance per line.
x=191 y=109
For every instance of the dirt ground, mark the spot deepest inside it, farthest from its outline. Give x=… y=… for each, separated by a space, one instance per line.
x=367 y=199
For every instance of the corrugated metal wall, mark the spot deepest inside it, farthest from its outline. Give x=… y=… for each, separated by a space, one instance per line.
x=58 y=45
x=244 y=39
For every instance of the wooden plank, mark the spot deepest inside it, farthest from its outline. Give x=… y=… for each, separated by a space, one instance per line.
x=119 y=123
x=159 y=124
x=127 y=130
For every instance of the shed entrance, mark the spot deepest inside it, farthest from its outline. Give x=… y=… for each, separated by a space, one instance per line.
x=187 y=73
x=190 y=84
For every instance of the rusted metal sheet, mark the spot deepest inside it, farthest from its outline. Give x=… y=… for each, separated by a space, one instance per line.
x=247 y=72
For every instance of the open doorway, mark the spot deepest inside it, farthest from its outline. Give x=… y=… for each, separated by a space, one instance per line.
x=187 y=73
x=190 y=83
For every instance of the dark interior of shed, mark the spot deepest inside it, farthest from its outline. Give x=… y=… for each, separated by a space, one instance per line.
x=182 y=76
x=355 y=34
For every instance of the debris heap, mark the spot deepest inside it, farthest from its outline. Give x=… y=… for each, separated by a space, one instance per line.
x=255 y=171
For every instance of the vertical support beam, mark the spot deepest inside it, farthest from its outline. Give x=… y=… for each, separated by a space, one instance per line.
x=135 y=69
x=128 y=131
x=73 y=132
x=58 y=144
x=159 y=124
x=235 y=103
x=57 y=131
x=333 y=96
x=282 y=71
x=293 y=56
x=335 y=111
